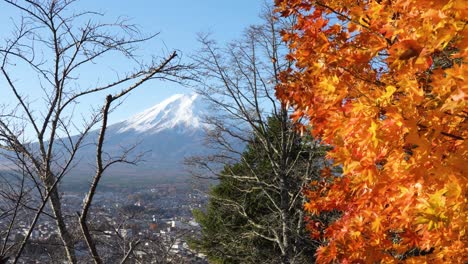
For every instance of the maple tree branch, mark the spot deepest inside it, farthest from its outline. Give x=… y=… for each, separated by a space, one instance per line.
x=444 y=133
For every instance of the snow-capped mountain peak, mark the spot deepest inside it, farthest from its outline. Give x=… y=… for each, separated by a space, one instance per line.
x=179 y=111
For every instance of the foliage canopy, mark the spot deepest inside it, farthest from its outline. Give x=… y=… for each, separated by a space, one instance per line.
x=384 y=83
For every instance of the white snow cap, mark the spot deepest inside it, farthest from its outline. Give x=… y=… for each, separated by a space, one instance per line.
x=180 y=110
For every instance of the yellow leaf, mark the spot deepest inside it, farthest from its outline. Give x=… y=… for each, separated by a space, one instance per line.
x=376 y=224
x=373 y=131
x=385 y=98
x=453 y=190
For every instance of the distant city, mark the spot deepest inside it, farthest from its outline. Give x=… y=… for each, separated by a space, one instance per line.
x=150 y=204
x=159 y=216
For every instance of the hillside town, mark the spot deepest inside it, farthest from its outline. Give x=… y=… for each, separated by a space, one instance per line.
x=157 y=220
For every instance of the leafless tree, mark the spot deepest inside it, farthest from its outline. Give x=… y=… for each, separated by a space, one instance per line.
x=238 y=81
x=41 y=136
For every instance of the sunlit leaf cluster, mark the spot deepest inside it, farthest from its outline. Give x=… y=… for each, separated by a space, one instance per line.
x=383 y=82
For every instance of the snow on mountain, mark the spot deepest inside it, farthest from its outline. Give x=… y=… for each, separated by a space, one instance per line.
x=179 y=111
x=164 y=134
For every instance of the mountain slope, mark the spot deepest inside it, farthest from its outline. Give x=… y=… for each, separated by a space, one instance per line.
x=165 y=133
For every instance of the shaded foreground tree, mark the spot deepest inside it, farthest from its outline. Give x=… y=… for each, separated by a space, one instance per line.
x=258 y=203
x=57 y=47
x=384 y=83
x=241 y=213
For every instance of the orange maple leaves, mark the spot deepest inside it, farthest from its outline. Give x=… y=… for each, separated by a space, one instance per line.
x=384 y=83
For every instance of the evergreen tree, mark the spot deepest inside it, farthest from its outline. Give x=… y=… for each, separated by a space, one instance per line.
x=243 y=211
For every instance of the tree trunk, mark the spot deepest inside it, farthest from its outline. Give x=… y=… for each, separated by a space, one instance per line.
x=285 y=199
x=65 y=235
x=286 y=232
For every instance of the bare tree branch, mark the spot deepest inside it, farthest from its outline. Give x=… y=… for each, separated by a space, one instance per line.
x=57 y=45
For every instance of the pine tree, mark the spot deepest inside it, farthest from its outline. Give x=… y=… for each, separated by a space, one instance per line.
x=241 y=216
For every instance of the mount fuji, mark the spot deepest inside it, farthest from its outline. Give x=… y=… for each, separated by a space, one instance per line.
x=166 y=134
x=181 y=112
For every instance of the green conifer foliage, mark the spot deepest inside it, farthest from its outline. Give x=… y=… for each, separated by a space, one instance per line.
x=243 y=217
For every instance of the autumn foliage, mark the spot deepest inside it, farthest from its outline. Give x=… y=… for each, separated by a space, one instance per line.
x=383 y=82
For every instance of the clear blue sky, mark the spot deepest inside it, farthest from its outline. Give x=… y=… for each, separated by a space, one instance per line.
x=178 y=23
